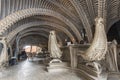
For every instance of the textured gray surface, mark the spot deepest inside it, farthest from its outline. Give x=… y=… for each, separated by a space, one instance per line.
x=114 y=76
x=34 y=71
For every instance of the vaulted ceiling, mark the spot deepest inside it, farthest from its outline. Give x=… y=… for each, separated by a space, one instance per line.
x=69 y=18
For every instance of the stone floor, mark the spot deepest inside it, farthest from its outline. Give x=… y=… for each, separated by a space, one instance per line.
x=114 y=76
x=27 y=70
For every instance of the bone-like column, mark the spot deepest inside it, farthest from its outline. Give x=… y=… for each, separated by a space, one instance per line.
x=3 y=54
x=111 y=57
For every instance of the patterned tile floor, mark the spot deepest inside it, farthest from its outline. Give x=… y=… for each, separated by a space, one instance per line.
x=34 y=71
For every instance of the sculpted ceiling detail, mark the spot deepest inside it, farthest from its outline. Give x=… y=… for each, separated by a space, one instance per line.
x=73 y=15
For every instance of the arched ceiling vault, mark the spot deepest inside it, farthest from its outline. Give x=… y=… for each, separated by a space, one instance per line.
x=75 y=14
x=39 y=31
x=83 y=17
x=8 y=21
x=55 y=23
x=40 y=24
x=30 y=40
x=34 y=33
x=43 y=38
x=38 y=40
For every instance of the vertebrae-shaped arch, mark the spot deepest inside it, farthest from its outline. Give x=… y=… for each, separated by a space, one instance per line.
x=37 y=31
x=21 y=14
x=39 y=23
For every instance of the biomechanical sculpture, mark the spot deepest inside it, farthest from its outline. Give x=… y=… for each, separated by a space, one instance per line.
x=98 y=48
x=3 y=53
x=111 y=57
x=53 y=47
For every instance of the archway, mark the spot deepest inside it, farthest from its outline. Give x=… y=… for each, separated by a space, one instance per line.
x=114 y=32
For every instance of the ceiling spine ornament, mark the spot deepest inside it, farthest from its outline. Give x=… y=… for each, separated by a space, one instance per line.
x=102 y=10
x=83 y=18
x=64 y=9
x=91 y=9
x=0 y=9
x=113 y=12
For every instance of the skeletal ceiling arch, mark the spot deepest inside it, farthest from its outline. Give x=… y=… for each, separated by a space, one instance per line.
x=22 y=27
x=14 y=17
x=83 y=18
x=44 y=31
x=112 y=23
x=44 y=36
x=64 y=7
